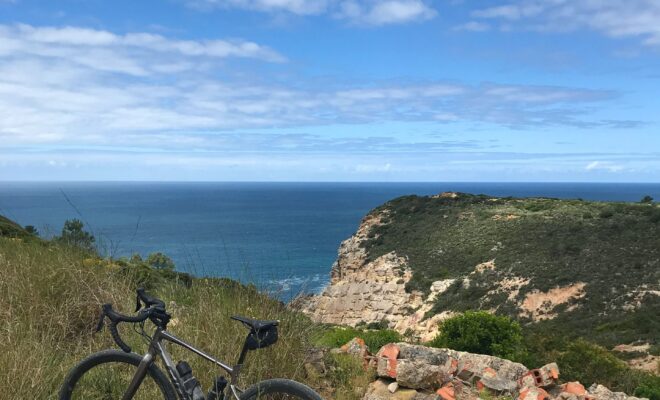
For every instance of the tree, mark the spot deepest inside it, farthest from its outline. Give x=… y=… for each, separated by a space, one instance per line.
x=74 y=235
x=646 y=199
x=160 y=261
x=483 y=333
x=31 y=230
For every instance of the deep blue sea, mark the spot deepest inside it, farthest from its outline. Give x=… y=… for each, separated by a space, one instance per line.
x=282 y=236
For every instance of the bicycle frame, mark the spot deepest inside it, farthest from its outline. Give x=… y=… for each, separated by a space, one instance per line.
x=156 y=348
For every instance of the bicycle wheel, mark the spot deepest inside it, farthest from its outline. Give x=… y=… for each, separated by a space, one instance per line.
x=106 y=375
x=279 y=389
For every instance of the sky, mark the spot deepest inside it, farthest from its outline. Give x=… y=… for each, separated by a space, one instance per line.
x=330 y=90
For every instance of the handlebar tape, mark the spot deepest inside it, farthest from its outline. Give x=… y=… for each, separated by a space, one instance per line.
x=115 y=318
x=115 y=335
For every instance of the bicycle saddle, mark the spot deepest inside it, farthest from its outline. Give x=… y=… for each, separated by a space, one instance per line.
x=255 y=324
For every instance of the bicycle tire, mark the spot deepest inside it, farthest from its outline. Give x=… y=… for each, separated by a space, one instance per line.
x=72 y=382
x=279 y=389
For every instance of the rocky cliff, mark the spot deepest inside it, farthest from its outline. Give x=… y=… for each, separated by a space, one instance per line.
x=587 y=267
x=363 y=291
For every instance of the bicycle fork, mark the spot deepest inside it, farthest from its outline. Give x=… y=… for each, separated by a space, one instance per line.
x=143 y=368
x=141 y=372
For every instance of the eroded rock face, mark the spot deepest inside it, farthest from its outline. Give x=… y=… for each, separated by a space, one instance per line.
x=373 y=291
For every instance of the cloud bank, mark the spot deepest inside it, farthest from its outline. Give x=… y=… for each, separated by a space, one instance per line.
x=361 y=12
x=636 y=19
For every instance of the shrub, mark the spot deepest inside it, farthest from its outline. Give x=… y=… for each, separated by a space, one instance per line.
x=160 y=261
x=483 y=333
x=649 y=387
x=590 y=363
x=607 y=213
x=74 y=235
x=348 y=377
x=646 y=199
x=31 y=230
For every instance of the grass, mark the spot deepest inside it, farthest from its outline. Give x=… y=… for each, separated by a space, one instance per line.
x=337 y=336
x=50 y=298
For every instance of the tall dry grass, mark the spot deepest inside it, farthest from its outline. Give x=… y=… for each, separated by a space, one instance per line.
x=50 y=299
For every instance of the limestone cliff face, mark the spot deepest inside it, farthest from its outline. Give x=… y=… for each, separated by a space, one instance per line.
x=373 y=291
x=363 y=291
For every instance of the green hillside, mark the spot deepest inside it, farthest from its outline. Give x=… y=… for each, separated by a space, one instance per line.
x=611 y=248
x=50 y=298
x=11 y=229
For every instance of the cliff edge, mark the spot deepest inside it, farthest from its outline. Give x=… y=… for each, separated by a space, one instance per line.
x=585 y=268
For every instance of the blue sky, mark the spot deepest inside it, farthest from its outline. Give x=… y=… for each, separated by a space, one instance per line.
x=330 y=90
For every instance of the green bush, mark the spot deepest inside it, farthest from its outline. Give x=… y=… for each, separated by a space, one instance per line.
x=649 y=387
x=606 y=213
x=483 y=333
x=74 y=235
x=590 y=363
x=374 y=339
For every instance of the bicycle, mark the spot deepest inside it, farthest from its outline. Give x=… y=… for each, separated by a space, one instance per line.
x=90 y=380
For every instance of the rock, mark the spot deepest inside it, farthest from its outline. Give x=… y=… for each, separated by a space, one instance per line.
x=477 y=364
x=600 y=392
x=363 y=290
x=533 y=393
x=546 y=376
x=549 y=374
x=418 y=374
x=314 y=363
x=378 y=390
x=387 y=360
x=568 y=396
x=356 y=347
x=447 y=392
x=575 y=388
x=425 y=396
x=498 y=385
x=428 y=354
x=392 y=387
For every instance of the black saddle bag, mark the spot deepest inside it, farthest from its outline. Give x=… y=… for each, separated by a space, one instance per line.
x=262 y=338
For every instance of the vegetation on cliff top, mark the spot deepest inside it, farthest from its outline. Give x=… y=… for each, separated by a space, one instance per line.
x=50 y=298
x=613 y=248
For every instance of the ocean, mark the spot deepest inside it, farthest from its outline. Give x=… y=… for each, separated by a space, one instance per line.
x=281 y=236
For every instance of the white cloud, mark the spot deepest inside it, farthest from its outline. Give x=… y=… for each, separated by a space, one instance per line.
x=132 y=53
x=363 y=12
x=615 y=18
x=298 y=7
x=82 y=87
x=604 y=165
x=385 y=12
x=373 y=168
x=473 y=26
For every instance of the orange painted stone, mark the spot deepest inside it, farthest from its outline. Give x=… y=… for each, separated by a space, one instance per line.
x=574 y=388
x=391 y=352
x=447 y=392
x=533 y=393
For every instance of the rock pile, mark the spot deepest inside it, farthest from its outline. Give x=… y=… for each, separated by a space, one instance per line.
x=414 y=372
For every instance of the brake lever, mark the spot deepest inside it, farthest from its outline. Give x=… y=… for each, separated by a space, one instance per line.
x=138 y=304
x=101 y=324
